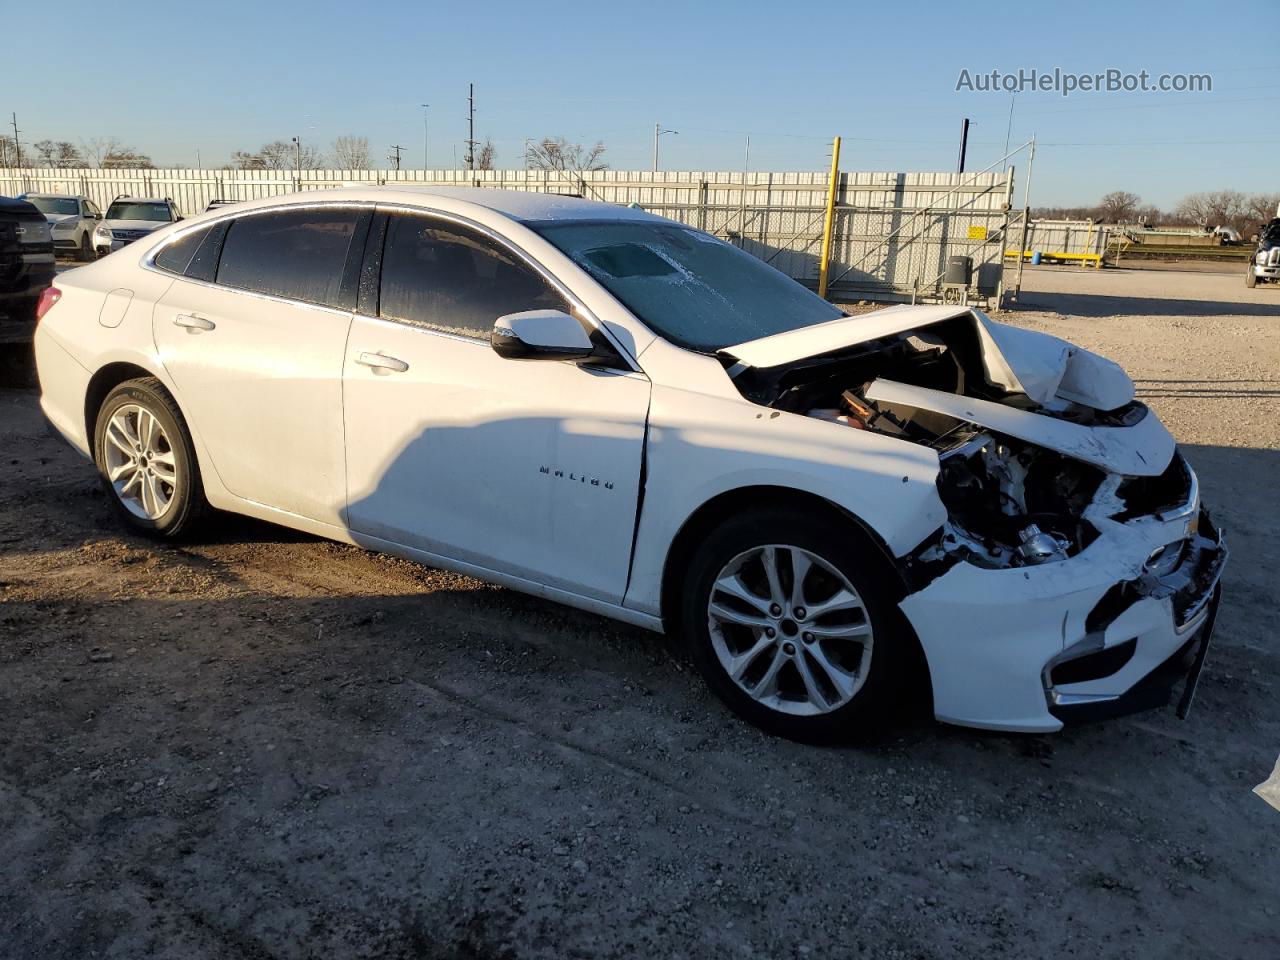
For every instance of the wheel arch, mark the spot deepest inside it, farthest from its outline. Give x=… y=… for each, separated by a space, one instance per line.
x=106 y=379
x=730 y=502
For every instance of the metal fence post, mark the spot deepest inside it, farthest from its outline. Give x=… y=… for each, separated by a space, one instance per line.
x=1026 y=217
x=1004 y=236
x=829 y=222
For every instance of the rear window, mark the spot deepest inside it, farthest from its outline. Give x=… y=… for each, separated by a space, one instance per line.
x=130 y=210
x=58 y=206
x=301 y=255
x=176 y=256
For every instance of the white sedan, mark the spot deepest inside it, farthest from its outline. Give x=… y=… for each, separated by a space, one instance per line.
x=612 y=410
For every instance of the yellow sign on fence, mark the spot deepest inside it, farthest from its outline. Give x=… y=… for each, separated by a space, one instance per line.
x=977 y=233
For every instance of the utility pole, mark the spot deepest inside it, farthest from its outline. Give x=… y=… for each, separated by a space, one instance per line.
x=17 y=146
x=297 y=149
x=471 y=127
x=964 y=142
x=425 y=161
x=657 y=132
x=395 y=157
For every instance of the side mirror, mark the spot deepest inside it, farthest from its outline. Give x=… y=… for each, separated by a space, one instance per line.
x=540 y=335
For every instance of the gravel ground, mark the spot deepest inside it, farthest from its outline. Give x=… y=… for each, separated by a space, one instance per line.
x=263 y=745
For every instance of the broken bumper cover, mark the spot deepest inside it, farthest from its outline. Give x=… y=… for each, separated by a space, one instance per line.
x=1098 y=634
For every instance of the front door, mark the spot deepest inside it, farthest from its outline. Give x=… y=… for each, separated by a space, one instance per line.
x=526 y=467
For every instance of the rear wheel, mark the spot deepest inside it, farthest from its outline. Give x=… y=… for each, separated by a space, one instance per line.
x=147 y=462
x=791 y=622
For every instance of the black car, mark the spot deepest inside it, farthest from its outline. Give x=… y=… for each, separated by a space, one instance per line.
x=26 y=267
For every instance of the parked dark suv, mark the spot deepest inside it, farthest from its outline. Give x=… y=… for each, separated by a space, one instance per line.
x=26 y=267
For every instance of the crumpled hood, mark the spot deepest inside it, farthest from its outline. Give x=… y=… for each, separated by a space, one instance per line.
x=1047 y=369
x=1051 y=372
x=58 y=219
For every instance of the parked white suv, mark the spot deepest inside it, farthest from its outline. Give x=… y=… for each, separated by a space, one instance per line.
x=618 y=412
x=72 y=221
x=132 y=218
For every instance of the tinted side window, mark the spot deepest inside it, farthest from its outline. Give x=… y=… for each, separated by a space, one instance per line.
x=176 y=257
x=455 y=280
x=298 y=254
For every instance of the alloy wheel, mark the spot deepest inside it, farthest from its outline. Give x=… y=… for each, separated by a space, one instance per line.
x=790 y=630
x=140 y=462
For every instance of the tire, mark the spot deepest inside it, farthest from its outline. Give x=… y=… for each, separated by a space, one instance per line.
x=86 y=251
x=158 y=491
x=854 y=696
x=1250 y=278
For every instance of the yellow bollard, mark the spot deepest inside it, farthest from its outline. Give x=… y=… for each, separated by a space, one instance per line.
x=829 y=224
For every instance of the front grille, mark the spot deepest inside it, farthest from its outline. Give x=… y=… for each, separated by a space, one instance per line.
x=128 y=236
x=1273 y=258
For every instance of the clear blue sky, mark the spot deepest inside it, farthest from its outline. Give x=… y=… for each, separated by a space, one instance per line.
x=174 y=78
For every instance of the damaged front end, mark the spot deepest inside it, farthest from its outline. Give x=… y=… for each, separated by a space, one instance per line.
x=1077 y=573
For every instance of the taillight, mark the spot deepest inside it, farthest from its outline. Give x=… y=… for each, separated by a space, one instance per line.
x=47 y=299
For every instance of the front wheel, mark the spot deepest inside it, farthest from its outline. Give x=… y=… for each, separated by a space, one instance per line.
x=147 y=461
x=1250 y=279
x=791 y=621
x=86 y=249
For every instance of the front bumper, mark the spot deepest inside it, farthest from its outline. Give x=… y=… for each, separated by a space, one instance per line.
x=1027 y=648
x=1266 y=273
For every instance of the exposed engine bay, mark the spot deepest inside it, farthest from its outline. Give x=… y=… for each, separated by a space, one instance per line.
x=1011 y=501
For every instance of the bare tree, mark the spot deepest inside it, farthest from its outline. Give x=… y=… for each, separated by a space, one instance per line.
x=278 y=155
x=110 y=153
x=559 y=154
x=96 y=149
x=351 y=153
x=8 y=152
x=127 y=158
x=1118 y=206
x=58 y=153
x=1215 y=208
x=1261 y=208
x=485 y=155
x=1151 y=215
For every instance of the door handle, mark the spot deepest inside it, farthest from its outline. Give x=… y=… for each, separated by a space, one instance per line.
x=192 y=322
x=380 y=362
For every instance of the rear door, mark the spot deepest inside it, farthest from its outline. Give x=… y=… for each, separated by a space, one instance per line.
x=253 y=333
x=526 y=467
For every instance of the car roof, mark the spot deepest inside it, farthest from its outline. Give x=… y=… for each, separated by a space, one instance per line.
x=12 y=205
x=143 y=199
x=57 y=196
x=521 y=205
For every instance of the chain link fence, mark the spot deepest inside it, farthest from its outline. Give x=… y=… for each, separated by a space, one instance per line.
x=893 y=232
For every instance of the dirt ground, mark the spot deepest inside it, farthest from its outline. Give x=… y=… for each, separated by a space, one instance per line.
x=262 y=745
